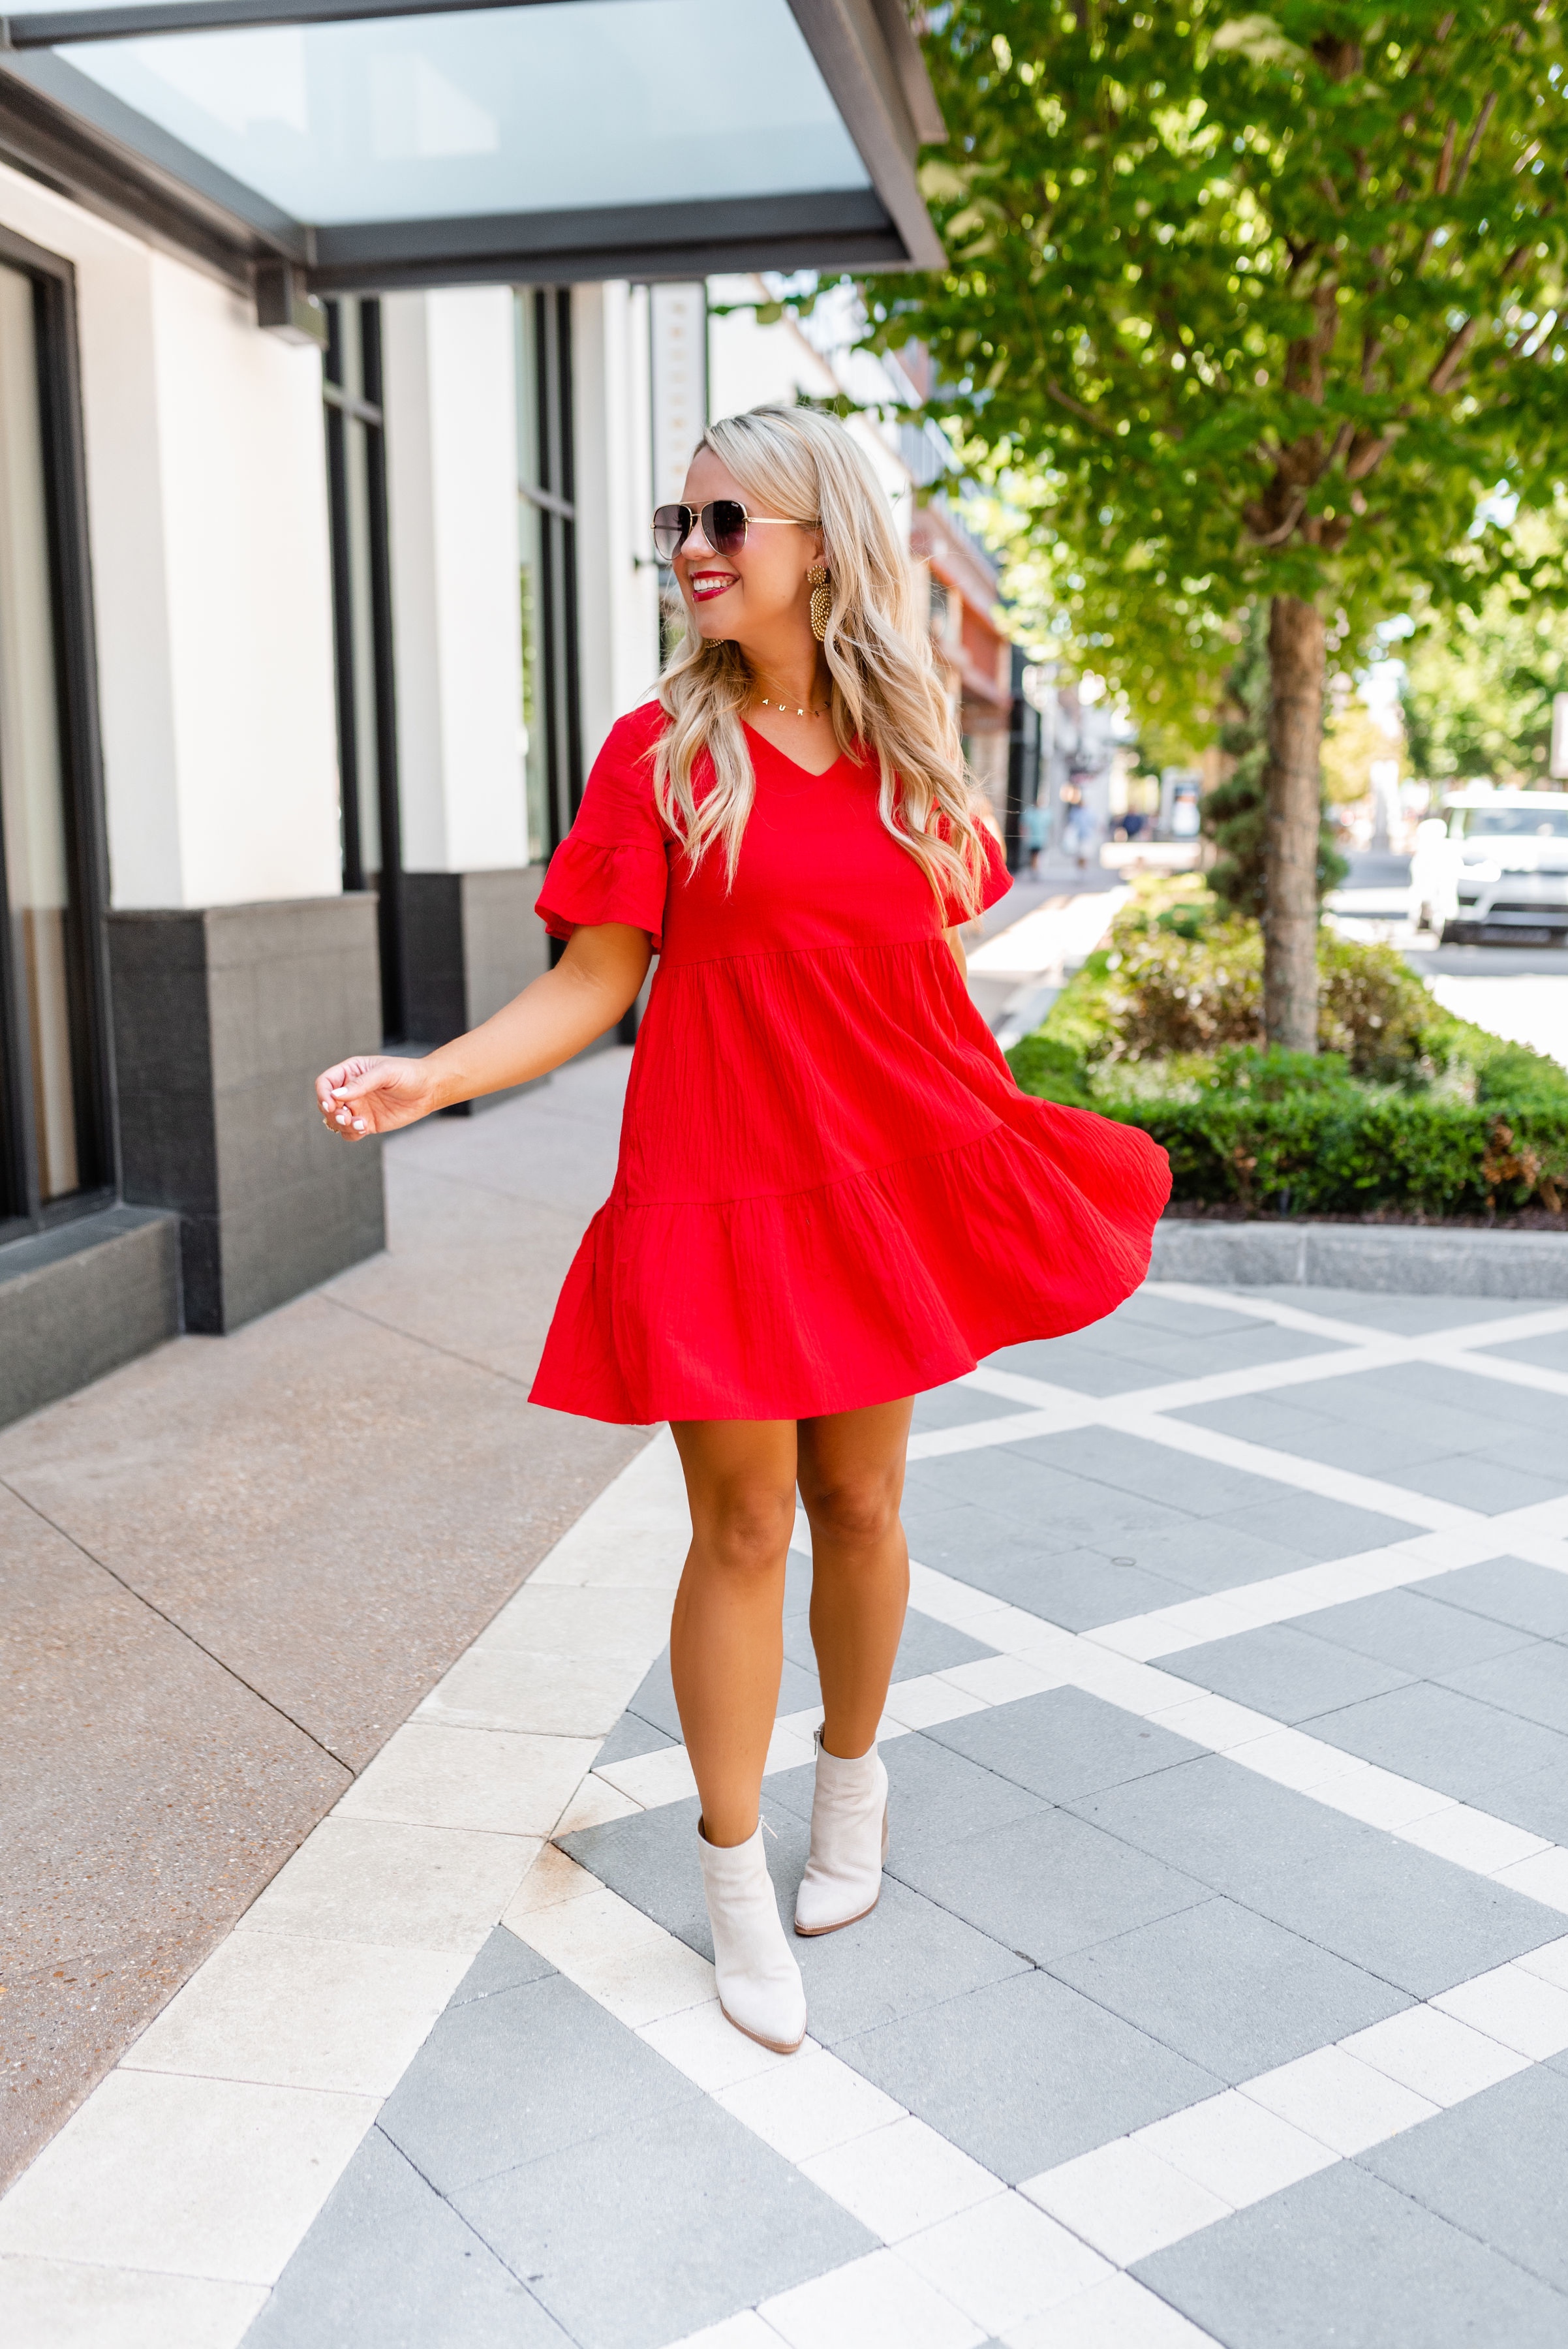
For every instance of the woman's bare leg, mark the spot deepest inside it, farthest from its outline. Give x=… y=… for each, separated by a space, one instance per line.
x=851 y=1472
x=726 y=1638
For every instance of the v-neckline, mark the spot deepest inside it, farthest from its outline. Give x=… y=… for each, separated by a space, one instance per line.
x=813 y=774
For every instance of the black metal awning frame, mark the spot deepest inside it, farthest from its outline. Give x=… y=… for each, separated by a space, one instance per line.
x=60 y=125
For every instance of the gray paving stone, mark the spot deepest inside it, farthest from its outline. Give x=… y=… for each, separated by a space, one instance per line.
x=520 y=2076
x=933 y=1794
x=1177 y=1317
x=1537 y=1802
x=1531 y=1682
x=1245 y=1346
x=1075 y=1586
x=654 y=1702
x=1046 y=1503
x=1478 y=1400
x=908 y=1954
x=503 y=1964
x=1443 y=1738
x=1397 y=1316
x=1419 y=1400
x=1509 y=1590
x=661 y=2227
x=1048 y=1885
x=388 y=2265
x=1476 y=1480
x=1062 y=1743
x=1417 y=1922
x=1318 y=1530
x=1288 y=1426
x=1078 y=1362
x=1496 y=2166
x=654 y=1698
x=1286 y=1671
x=927 y=1646
x=1341 y=2258
x=959 y=1406
x=1228 y=1988
x=1541 y=1354
x=797 y=1584
x=1027 y=2074
x=1131 y=1464
x=1525 y=1450
x=631 y=1736
x=1414 y=1632
x=1209 y=1554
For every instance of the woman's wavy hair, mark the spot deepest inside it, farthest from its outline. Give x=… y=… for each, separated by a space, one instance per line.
x=887 y=698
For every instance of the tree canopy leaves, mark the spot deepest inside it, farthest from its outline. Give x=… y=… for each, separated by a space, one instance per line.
x=1244 y=305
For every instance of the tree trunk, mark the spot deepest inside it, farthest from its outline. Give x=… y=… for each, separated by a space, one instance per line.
x=1293 y=792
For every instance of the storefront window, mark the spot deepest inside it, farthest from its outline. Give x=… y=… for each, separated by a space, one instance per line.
x=50 y=1096
x=362 y=625
x=546 y=518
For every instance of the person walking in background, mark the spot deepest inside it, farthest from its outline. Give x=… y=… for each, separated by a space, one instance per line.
x=831 y=1194
x=1031 y=832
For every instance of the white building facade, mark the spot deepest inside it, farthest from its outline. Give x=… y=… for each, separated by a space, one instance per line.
x=324 y=567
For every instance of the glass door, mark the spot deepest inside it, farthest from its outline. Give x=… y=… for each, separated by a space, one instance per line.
x=53 y=1122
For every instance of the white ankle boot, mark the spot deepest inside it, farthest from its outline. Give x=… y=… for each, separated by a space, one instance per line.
x=759 y=1988
x=843 y=1880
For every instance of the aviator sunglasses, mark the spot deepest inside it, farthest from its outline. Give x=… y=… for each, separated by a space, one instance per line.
x=724 y=520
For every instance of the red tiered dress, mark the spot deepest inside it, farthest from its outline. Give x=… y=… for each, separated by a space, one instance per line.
x=831 y=1192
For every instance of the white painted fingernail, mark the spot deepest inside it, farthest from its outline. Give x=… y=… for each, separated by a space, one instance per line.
x=359 y=1125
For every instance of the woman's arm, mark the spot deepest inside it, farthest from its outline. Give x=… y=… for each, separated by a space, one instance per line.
x=595 y=983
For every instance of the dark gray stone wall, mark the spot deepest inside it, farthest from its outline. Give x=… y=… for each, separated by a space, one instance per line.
x=471 y=942
x=81 y=1299
x=223 y=1017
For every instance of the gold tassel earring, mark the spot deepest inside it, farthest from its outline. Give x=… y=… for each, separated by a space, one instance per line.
x=820 y=599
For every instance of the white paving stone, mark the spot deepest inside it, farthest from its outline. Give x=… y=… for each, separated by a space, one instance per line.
x=1472 y=1838
x=302 y=2014
x=519 y=1690
x=652 y=1779
x=746 y=2331
x=1002 y=1679
x=1238 y=2150
x=1439 y=2057
x=1515 y=2006
x=1380 y=1798
x=922 y=1702
x=1550 y=1962
x=553 y=1878
x=877 y=2303
x=900 y=2179
x=1543 y=1878
x=66 y=2304
x=491 y=1781
x=1125 y=2200
x=1215 y=1722
x=1341 y=2101
x=1002 y=2261
x=1292 y=1759
x=621 y=1958
x=402 y=1887
x=1120 y=2314
x=208 y=2177
x=808 y=2104
x=699 y=2042
x=594 y=1805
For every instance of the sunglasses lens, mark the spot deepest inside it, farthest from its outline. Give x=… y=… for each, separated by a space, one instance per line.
x=671 y=528
x=725 y=525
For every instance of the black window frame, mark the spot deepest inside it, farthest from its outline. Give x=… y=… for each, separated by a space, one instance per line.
x=368 y=410
x=22 y=1210
x=554 y=495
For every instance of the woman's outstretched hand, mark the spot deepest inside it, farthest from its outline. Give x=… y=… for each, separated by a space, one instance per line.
x=373 y=1094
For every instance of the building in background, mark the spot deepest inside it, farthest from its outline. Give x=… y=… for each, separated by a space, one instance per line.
x=328 y=397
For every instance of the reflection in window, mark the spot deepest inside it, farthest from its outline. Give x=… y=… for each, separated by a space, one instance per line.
x=47 y=1092
x=547 y=517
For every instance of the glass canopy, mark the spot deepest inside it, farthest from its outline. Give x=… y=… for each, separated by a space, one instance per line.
x=366 y=143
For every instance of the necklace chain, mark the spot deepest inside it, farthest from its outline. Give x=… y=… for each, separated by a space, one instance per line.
x=784 y=706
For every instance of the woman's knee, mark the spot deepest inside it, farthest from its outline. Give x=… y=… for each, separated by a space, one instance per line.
x=860 y=1511
x=744 y=1530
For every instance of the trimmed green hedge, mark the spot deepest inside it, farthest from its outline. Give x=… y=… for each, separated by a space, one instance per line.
x=1415 y=1113
x=1333 y=1149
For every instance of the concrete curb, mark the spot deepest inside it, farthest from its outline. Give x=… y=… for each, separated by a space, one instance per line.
x=1422 y=1260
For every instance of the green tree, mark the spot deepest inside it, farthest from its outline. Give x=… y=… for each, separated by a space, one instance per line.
x=1479 y=683
x=1249 y=308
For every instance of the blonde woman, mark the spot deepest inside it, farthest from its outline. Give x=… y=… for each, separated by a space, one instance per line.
x=831 y=1194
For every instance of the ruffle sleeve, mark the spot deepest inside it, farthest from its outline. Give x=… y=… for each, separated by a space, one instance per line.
x=996 y=882
x=614 y=863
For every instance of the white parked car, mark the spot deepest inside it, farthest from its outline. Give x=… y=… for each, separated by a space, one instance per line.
x=1494 y=864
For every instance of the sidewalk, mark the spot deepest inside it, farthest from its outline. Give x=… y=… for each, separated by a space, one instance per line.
x=234 y=1567
x=1219 y=1991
